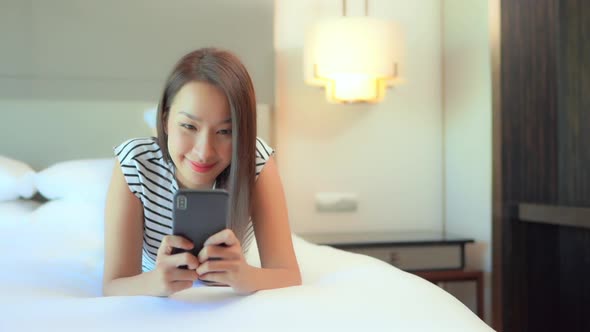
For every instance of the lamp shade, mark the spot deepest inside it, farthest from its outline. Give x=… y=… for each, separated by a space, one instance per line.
x=354 y=58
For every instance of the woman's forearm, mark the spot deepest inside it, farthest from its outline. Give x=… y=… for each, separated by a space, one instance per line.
x=135 y=285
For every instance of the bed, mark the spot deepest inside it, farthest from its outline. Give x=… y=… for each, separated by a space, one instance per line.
x=52 y=264
x=52 y=260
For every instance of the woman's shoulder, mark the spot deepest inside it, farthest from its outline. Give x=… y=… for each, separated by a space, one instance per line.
x=145 y=171
x=263 y=149
x=263 y=153
x=142 y=148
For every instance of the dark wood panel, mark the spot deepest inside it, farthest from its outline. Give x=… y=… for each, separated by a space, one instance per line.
x=574 y=160
x=542 y=278
x=574 y=285
x=529 y=160
x=574 y=102
x=545 y=159
x=514 y=295
x=529 y=100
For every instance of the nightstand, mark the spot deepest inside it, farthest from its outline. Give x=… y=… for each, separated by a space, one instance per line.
x=432 y=256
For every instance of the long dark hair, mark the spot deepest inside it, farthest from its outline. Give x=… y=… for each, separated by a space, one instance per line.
x=225 y=71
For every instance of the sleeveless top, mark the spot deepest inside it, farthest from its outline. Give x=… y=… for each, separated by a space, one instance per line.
x=151 y=179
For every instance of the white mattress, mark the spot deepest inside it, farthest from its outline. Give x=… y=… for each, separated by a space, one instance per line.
x=15 y=213
x=51 y=280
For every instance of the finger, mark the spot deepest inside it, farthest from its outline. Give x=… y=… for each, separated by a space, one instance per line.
x=177 y=286
x=215 y=279
x=226 y=237
x=184 y=275
x=218 y=252
x=215 y=266
x=185 y=258
x=173 y=241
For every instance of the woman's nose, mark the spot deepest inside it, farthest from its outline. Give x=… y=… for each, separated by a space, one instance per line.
x=205 y=149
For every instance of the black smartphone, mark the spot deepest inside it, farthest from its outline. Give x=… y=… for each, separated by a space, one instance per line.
x=198 y=214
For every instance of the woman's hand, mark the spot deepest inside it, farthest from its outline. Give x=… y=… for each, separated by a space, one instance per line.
x=222 y=263
x=168 y=278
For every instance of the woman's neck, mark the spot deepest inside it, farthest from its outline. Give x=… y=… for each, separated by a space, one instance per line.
x=198 y=187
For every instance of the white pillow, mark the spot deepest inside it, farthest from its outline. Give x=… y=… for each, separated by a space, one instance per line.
x=86 y=179
x=16 y=179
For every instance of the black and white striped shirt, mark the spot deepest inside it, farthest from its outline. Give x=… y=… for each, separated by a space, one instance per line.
x=152 y=180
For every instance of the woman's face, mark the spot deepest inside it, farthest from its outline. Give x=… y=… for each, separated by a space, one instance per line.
x=199 y=134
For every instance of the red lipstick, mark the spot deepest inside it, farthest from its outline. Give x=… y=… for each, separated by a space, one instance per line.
x=201 y=168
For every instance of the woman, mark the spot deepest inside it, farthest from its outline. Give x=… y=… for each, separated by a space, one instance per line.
x=206 y=139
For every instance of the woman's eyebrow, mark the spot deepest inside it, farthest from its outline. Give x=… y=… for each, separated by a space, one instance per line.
x=196 y=118
x=190 y=116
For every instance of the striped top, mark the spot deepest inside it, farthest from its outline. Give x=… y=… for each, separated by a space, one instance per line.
x=152 y=180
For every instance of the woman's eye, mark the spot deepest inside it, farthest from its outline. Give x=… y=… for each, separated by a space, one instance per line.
x=188 y=126
x=225 y=131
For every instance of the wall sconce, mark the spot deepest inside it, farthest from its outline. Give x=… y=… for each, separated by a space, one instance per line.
x=353 y=58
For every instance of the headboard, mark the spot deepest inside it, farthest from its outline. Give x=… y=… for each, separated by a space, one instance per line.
x=77 y=76
x=42 y=133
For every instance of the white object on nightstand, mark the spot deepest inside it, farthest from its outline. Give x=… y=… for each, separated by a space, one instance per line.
x=336 y=202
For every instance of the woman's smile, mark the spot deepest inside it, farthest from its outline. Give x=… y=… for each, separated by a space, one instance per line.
x=200 y=168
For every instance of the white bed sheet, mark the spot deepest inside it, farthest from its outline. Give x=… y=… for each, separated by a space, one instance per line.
x=51 y=280
x=15 y=213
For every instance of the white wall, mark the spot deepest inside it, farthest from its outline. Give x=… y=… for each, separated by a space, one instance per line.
x=419 y=160
x=468 y=134
x=389 y=154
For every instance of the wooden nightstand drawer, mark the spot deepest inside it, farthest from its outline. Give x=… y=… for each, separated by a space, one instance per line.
x=415 y=258
x=410 y=251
